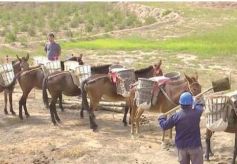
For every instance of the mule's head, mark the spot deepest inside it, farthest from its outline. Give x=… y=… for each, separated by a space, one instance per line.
x=194 y=86
x=24 y=65
x=78 y=59
x=157 y=71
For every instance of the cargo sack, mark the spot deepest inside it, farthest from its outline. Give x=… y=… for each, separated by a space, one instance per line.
x=6 y=74
x=53 y=66
x=123 y=79
x=144 y=91
x=83 y=72
x=217 y=110
x=70 y=66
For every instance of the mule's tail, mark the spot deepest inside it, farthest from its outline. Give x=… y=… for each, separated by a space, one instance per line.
x=44 y=89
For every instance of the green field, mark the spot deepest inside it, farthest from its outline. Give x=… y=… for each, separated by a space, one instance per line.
x=220 y=42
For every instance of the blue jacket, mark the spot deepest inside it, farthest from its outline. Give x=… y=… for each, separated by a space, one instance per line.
x=187 y=127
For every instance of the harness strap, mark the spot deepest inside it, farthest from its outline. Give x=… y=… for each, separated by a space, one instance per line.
x=168 y=98
x=60 y=73
x=28 y=71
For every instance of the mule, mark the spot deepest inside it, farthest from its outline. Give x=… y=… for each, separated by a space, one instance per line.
x=62 y=83
x=102 y=86
x=32 y=78
x=164 y=103
x=230 y=129
x=8 y=90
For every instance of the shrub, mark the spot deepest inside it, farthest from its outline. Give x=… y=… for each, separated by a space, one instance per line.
x=89 y=28
x=150 y=20
x=10 y=37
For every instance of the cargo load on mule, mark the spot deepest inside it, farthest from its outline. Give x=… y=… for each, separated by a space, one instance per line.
x=6 y=74
x=70 y=66
x=148 y=89
x=123 y=78
x=82 y=72
x=47 y=65
x=40 y=60
x=221 y=110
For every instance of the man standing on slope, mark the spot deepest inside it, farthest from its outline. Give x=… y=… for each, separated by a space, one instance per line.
x=186 y=122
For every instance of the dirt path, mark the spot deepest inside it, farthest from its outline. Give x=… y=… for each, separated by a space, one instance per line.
x=36 y=140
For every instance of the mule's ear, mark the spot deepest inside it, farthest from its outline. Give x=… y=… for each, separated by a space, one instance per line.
x=81 y=55
x=159 y=64
x=188 y=78
x=18 y=58
x=27 y=57
x=196 y=75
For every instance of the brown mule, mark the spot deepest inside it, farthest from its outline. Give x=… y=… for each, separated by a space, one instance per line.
x=164 y=104
x=62 y=83
x=102 y=86
x=31 y=78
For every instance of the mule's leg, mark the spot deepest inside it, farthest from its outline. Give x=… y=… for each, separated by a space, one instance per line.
x=54 y=100
x=5 y=101
x=82 y=109
x=24 y=105
x=170 y=134
x=61 y=102
x=235 y=149
x=10 y=101
x=138 y=118
x=51 y=108
x=132 y=117
x=93 y=124
x=125 y=115
x=208 y=144
x=20 y=106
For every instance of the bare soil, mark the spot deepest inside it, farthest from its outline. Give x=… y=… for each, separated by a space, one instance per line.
x=36 y=140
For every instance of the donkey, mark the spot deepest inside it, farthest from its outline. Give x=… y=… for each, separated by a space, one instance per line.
x=62 y=83
x=8 y=90
x=102 y=86
x=230 y=129
x=164 y=101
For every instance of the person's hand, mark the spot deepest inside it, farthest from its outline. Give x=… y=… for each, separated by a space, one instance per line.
x=200 y=100
x=162 y=115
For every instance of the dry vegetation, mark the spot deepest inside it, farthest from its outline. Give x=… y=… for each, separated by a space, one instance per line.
x=36 y=140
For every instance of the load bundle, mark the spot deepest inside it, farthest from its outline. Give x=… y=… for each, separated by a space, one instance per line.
x=82 y=72
x=70 y=66
x=148 y=89
x=220 y=110
x=6 y=74
x=123 y=78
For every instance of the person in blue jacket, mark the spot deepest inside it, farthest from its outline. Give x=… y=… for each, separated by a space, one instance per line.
x=186 y=122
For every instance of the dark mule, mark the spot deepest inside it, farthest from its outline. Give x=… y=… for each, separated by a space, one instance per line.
x=73 y=58
x=8 y=90
x=230 y=129
x=102 y=86
x=32 y=78
x=62 y=83
x=163 y=104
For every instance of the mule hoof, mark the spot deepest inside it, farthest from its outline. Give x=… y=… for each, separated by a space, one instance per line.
x=21 y=118
x=95 y=128
x=125 y=123
x=206 y=159
x=13 y=113
x=6 y=112
x=27 y=116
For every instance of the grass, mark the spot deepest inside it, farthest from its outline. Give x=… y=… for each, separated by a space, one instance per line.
x=220 y=42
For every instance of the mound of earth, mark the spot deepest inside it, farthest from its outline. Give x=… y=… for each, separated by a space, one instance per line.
x=143 y=12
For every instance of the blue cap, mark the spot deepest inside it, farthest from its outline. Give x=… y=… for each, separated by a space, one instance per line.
x=186 y=98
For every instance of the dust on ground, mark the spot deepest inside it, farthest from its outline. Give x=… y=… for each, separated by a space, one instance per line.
x=36 y=140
